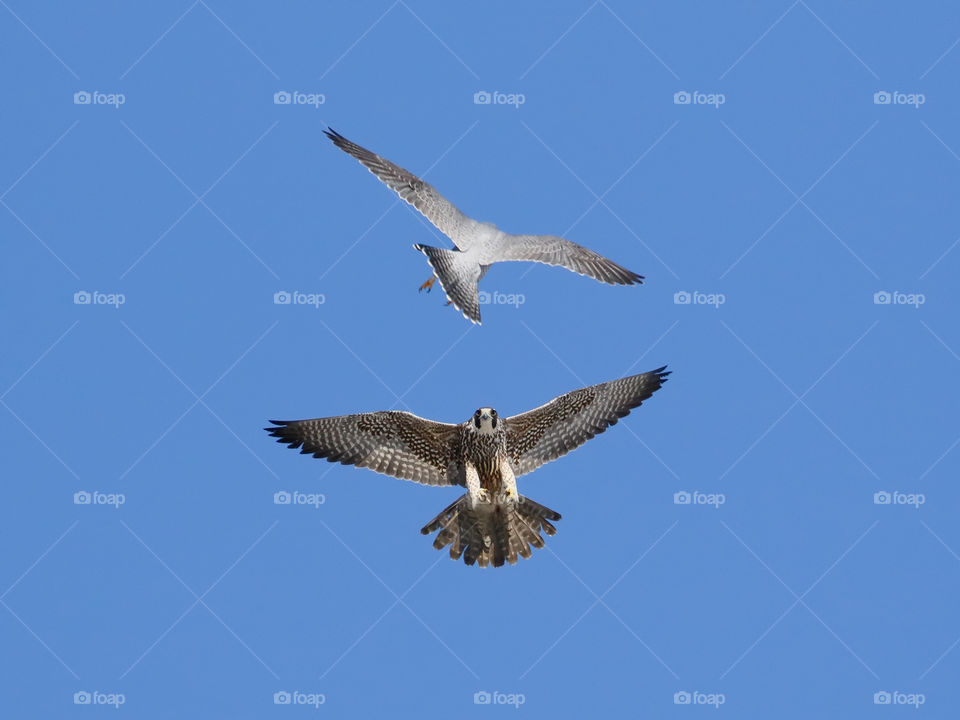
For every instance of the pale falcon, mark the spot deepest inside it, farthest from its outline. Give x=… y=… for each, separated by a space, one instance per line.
x=479 y=244
x=492 y=522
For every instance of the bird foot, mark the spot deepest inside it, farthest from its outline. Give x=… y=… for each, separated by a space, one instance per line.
x=428 y=285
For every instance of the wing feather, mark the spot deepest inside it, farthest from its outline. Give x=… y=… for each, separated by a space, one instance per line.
x=424 y=197
x=553 y=250
x=393 y=443
x=565 y=423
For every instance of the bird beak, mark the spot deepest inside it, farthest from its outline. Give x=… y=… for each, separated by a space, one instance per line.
x=485 y=416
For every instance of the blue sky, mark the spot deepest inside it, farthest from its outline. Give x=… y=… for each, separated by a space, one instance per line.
x=797 y=224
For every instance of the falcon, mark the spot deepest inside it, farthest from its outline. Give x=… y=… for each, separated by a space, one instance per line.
x=478 y=244
x=492 y=522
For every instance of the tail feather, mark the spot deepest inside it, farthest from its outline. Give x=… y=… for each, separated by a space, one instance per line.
x=491 y=534
x=458 y=277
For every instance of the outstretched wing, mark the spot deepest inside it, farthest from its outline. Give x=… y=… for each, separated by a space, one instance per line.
x=553 y=250
x=564 y=424
x=423 y=196
x=391 y=442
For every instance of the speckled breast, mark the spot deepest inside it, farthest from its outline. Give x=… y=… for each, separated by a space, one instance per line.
x=485 y=453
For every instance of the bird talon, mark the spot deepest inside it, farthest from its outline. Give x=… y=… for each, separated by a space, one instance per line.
x=428 y=285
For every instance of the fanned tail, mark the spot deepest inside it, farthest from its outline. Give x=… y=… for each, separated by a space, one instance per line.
x=492 y=533
x=458 y=277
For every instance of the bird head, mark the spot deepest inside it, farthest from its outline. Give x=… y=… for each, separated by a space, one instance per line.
x=485 y=421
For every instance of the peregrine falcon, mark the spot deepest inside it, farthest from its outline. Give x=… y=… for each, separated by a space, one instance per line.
x=479 y=244
x=492 y=522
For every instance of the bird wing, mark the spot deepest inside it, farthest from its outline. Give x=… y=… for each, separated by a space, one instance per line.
x=565 y=423
x=423 y=196
x=390 y=442
x=553 y=250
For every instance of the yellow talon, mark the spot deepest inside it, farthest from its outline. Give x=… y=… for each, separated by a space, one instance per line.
x=428 y=285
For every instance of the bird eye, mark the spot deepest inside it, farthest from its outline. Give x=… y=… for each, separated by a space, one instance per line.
x=493 y=412
x=477 y=414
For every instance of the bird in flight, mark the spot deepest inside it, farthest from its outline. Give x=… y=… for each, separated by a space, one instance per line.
x=478 y=244
x=491 y=523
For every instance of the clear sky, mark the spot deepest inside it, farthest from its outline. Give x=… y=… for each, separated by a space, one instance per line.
x=790 y=169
